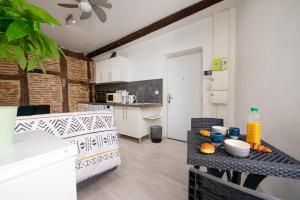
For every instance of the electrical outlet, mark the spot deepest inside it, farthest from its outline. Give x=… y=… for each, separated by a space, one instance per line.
x=156 y=92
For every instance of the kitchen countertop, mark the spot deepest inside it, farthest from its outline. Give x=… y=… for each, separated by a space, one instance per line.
x=130 y=105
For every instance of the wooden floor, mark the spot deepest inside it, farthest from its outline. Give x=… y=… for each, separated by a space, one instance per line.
x=148 y=171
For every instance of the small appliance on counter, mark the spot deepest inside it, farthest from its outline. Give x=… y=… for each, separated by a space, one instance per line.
x=100 y=96
x=124 y=96
x=131 y=99
x=113 y=98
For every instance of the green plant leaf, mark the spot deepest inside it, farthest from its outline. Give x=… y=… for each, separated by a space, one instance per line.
x=5 y=54
x=4 y=23
x=9 y=13
x=20 y=56
x=2 y=38
x=18 y=4
x=32 y=63
x=18 y=29
x=42 y=66
x=36 y=26
x=42 y=15
x=51 y=48
x=20 y=34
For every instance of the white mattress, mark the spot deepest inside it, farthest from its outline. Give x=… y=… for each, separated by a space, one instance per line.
x=94 y=133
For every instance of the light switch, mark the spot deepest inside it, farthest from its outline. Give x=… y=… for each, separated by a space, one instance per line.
x=156 y=92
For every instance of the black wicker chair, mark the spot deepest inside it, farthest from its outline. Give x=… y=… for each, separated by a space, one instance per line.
x=203 y=186
x=205 y=123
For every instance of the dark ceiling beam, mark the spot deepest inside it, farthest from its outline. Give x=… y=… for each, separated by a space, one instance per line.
x=186 y=12
x=76 y=55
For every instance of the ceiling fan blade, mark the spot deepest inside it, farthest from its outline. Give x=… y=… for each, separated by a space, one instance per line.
x=102 y=3
x=99 y=12
x=68 y=5
x=85 y=15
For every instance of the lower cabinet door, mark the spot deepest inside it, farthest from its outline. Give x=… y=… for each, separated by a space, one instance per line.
x=130 y=121
x=137 y=126
x=120 y=119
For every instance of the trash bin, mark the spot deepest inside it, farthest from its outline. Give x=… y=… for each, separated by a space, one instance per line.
x=156 y=134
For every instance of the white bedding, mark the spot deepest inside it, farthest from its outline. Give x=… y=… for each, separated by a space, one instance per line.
x=94 y=133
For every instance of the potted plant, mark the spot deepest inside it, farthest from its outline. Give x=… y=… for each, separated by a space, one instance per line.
x=22 y=40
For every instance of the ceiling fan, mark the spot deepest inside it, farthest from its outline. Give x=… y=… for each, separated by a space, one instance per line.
x=87 y=6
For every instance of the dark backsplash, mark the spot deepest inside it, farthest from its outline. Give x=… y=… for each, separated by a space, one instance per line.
x=144 y=90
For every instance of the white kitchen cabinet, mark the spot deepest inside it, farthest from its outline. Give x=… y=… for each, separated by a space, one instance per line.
x=112 y=70
x=130 y=122
x=120 y=117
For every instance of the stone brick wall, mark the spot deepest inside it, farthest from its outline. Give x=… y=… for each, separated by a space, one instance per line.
x=52 y=65
x=9 y=92
x=46 y=88
x=9 y=68
x=77 y=69
x=77 y=93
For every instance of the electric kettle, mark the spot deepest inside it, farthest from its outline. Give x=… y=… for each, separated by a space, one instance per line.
x=131 y=98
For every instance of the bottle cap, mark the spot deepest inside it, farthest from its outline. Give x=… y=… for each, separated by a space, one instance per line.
x=254 y=109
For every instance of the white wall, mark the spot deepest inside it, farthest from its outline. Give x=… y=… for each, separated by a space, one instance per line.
x=213 y=35
x=268 y=42
x=224 y=46
x=149 y=57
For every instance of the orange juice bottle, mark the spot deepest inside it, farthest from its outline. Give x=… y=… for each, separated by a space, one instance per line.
x=254 y=127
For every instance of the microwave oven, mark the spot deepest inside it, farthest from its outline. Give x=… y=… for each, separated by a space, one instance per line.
x=113 y=98
x=100 y=97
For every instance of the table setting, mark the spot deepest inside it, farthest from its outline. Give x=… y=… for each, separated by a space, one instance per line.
x=224 y=150
x=229 y=139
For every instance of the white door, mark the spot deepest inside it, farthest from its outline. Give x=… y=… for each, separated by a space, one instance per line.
x=184 y=93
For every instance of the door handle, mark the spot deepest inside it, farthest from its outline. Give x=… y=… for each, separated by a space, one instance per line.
x=123 y=112
x=170 y=98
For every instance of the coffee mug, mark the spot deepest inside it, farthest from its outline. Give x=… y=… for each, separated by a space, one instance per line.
x=234 y=133
x=216 y=138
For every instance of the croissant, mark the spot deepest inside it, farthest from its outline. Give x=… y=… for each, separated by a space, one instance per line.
x=204 y=133
x=207 y=148
x=260 y=148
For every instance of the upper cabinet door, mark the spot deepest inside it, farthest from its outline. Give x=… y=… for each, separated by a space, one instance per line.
x=219 y=80
x=112 y=70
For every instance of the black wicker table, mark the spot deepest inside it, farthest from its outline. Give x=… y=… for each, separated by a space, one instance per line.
x=257 y=165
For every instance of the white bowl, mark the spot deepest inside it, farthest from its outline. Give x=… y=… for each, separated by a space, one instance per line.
x=237 y=147
x=220 y=129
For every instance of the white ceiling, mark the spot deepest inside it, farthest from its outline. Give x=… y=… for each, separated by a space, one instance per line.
x=125 y=17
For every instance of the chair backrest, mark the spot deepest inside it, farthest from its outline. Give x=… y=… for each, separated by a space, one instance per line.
x=203 y=186
x=205 y=123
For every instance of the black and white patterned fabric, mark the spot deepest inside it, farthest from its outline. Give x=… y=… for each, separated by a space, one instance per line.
x=94 y=133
